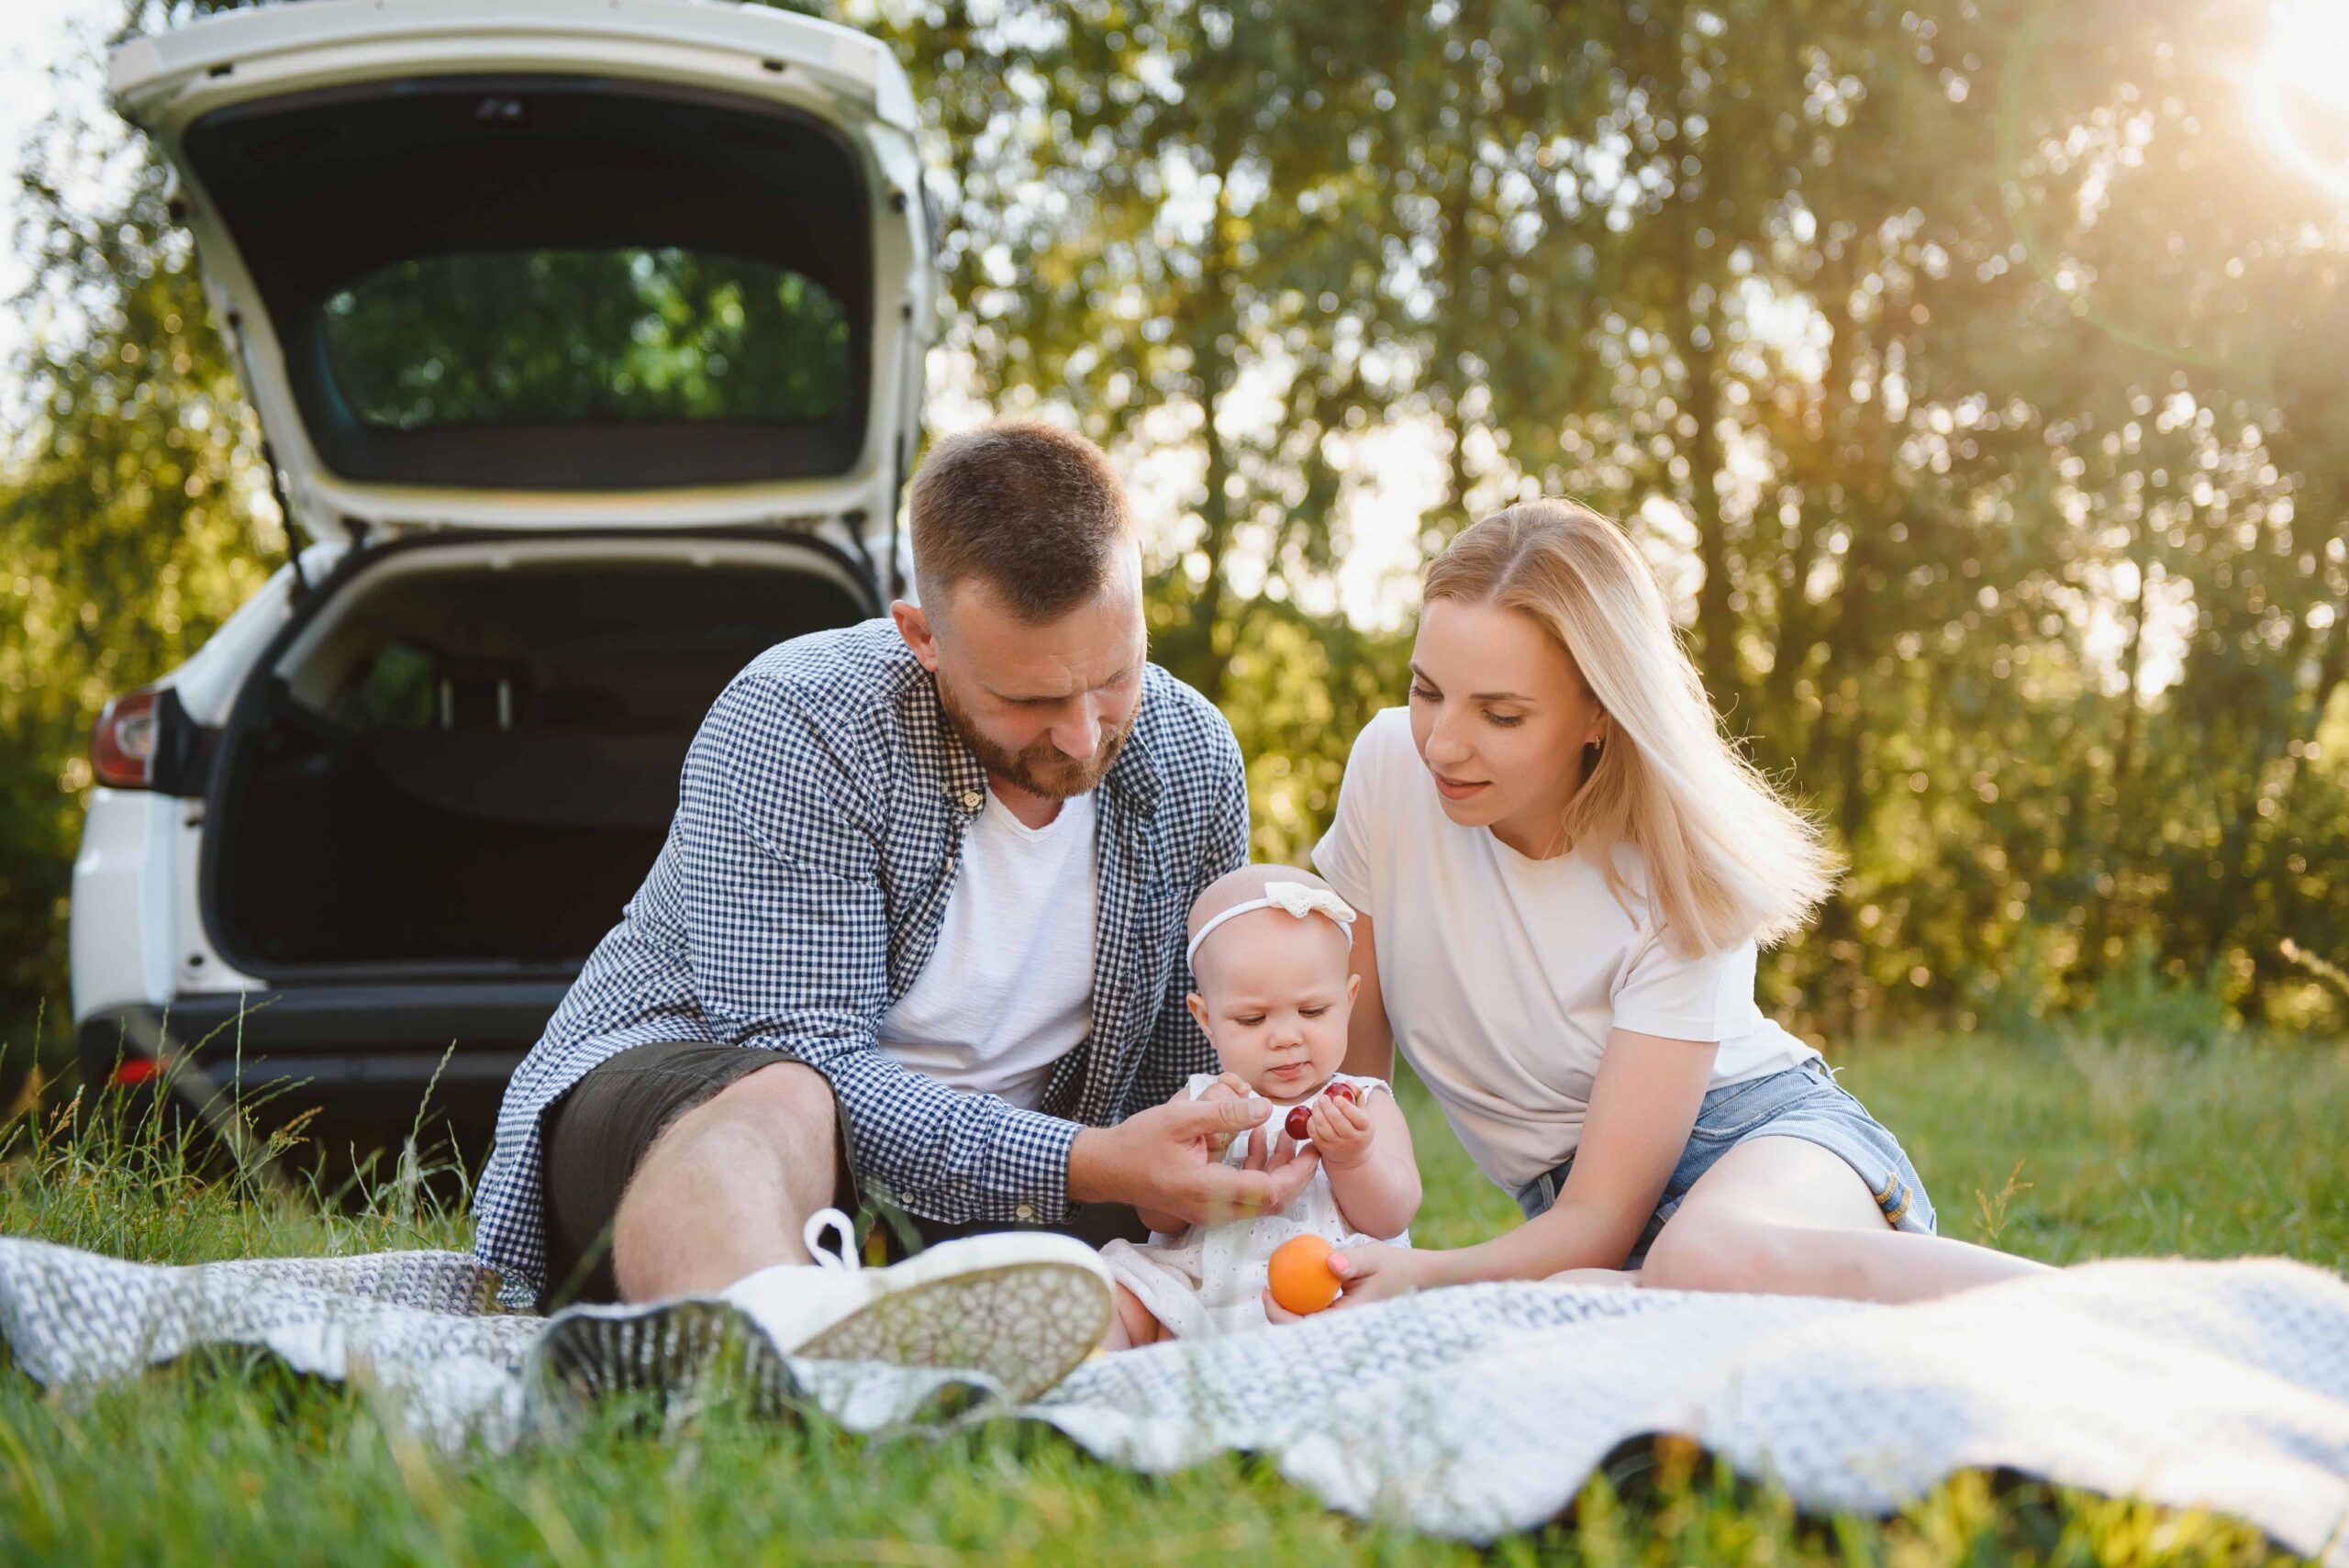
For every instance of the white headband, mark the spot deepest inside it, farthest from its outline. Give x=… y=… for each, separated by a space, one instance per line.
x=1294 y=896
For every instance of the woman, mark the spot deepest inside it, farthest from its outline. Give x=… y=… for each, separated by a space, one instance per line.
x=1564 y=872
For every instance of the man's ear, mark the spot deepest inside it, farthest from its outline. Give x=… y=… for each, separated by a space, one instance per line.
x=913 y=624
x=1198 y=1010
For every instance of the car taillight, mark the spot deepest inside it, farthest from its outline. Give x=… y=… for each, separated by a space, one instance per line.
x=133 y=1070
x=126 y=739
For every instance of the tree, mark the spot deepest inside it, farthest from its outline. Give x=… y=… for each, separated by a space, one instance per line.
x=1963 y=364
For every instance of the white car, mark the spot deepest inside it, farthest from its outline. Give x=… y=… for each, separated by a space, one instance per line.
x=588 y=342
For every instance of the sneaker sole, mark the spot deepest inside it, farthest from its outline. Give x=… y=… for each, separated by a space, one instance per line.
x=1026 y=1325
x=704 y=1350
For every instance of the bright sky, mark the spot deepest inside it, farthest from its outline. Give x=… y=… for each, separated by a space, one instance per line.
x=34 y=36
x=31 y=36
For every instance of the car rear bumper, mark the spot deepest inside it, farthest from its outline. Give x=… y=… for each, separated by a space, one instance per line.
x=360 y=1056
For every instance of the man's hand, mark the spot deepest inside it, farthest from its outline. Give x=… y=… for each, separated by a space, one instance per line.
x=1229 y=1086
x=1161 y=1161
x=1342 y=1131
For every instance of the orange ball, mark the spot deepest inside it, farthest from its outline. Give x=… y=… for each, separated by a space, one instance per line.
x=1299 y=1275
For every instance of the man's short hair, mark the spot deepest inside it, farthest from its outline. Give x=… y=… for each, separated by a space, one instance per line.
x=1033 y=510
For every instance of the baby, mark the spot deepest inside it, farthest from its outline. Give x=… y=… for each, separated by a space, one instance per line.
x=1269 y=949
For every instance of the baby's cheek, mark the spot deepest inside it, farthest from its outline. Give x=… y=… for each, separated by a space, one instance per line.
x=1241 y=1052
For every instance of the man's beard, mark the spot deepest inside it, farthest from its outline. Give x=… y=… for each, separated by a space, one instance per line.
x=1044 y=769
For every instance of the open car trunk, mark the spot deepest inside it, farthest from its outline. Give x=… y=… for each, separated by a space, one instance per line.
x=466 y=758
x=512 y=264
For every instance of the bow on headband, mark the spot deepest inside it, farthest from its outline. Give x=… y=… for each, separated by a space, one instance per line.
x=1294 y=898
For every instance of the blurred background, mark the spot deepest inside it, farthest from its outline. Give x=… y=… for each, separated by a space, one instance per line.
x=1971 y=371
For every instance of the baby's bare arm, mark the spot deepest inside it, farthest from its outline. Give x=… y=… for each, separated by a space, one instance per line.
x=1366 y=1149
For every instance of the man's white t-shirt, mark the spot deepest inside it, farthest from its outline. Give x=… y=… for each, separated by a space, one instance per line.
x=1009 y=990
x=1503 y=976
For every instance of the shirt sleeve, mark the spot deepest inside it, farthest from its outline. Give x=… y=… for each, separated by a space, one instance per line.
x=1344 y=856
x=788 y=935
x=1664 y=994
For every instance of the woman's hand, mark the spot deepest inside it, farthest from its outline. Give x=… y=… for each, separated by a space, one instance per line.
x=1375 y=1272
x=1369 y=1273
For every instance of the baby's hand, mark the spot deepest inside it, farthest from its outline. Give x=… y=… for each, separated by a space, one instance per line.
x=1341 y=1129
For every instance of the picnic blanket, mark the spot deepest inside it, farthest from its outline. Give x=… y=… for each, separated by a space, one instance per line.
x=1468 y=1413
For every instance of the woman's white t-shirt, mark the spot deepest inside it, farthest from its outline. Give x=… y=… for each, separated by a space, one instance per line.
x=1503 y=976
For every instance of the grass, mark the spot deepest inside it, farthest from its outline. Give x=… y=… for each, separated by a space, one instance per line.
x=2065 y=1151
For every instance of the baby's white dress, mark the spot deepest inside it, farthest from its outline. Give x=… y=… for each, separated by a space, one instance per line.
x=1210 y=1279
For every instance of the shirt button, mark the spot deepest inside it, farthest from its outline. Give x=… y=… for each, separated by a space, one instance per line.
x=1024 y=1211
x=972 y=799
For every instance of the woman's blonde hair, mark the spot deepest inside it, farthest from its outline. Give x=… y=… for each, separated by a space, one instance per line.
x=1727 y=858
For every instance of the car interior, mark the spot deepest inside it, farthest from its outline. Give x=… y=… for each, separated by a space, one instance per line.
x=475 y=768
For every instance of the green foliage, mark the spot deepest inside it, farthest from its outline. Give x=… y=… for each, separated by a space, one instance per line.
x=132 y=1173
x=135 y=513
x=2136 y=1000
x=561 y=336
x=1957 y=363
x=1966 y=366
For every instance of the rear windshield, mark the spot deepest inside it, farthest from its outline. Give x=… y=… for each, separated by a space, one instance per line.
x=555 y=282
x=625 y=335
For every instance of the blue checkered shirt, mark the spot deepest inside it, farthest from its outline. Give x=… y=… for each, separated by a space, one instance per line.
x=818 y=827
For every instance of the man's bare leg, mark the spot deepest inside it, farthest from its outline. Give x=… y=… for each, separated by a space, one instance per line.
x=726 y=1187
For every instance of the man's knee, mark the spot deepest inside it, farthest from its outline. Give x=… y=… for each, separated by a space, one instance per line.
x=787 y=1107
x=788 y=1093
x=722 y=1190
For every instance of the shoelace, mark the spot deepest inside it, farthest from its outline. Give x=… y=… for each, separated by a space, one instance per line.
x=811 y=1236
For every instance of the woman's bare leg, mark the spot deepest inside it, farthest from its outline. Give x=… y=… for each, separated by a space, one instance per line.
x=1595 y=1276
x=1785 y=1216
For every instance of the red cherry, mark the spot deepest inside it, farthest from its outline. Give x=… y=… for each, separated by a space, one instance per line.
x=1298 y=1116
x=1339 y=1091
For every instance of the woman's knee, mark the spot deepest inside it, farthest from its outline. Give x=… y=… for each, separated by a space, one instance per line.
x=1703 y=1252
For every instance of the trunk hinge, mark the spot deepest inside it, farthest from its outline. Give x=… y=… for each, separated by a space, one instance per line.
x=301 y=584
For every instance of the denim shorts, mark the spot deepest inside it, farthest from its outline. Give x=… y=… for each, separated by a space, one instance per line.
x=1802 y=1102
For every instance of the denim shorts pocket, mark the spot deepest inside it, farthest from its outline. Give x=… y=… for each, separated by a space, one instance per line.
x=1741 y=1107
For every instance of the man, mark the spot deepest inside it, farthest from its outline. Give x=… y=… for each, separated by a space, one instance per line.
x=914 y=940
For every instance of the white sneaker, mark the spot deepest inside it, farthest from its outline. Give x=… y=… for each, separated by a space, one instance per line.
x=1024 y=1306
